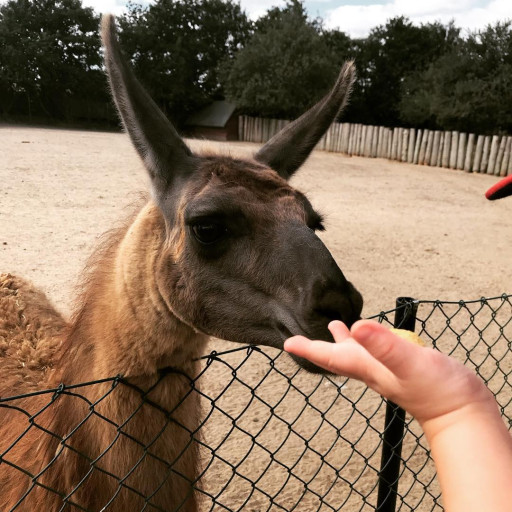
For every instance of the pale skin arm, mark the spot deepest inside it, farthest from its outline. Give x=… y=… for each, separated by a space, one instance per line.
x=470 y=443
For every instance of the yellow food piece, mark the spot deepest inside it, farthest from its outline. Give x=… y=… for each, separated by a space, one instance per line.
x=408 y=336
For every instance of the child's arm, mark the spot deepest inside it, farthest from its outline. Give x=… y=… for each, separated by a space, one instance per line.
x=470 y=444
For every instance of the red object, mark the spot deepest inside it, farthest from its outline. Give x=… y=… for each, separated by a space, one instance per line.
x=501 y=189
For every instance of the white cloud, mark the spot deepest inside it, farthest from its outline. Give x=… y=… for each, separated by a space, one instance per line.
x=254 y=8
x=433 y=7
x=357 y=20
x=257 y=8
x=106 y=6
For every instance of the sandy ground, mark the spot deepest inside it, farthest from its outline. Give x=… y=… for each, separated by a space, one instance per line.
x=395 y=229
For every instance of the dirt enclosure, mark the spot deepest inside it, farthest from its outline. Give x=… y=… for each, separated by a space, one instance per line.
x=394 y=229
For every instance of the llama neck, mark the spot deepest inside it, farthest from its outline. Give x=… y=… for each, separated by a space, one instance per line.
x=125 y=327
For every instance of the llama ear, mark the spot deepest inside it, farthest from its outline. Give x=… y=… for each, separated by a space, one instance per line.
x=288 y=149
x=161 y=148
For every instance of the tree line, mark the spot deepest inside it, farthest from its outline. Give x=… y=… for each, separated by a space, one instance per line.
x=190 y=52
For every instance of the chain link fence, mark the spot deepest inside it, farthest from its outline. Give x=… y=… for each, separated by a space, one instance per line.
x=267 y=435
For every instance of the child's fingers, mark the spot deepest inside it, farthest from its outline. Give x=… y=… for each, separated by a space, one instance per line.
x=392 y=351
x=339 y=331
x=317 y=352
x=349 y=358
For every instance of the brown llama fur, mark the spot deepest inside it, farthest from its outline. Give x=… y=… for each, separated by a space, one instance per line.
x=39 y=350
x=225 y=248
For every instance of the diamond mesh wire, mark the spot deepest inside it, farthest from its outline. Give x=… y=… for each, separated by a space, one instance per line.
x=267 y=435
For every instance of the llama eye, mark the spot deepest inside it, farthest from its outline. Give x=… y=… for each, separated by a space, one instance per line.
x=208 y=233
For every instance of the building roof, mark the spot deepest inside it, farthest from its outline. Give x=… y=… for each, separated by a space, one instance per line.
x=215 y=115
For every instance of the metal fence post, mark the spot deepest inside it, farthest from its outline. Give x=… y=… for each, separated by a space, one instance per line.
x=405 y=318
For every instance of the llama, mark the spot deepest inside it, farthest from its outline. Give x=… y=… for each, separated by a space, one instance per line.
x=226 y=248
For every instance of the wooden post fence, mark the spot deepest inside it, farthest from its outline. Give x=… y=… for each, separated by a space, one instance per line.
x=451 y=149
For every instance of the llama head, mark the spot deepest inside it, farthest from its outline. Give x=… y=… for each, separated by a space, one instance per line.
x=241 y=260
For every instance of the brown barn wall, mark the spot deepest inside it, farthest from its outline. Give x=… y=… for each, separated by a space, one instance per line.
x=232 y=128
x=229 y=132
x=203 y=132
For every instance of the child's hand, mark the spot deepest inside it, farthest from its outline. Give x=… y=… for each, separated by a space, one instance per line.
x=425 y=382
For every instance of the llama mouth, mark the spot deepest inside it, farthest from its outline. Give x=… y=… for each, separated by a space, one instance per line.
x=290 y=329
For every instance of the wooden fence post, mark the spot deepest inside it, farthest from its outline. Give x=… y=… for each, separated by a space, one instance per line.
x=435 y=148
x=439 y=157
x=380 y=141
x=351 y=134
x=368 y=141
x=375 y=143
x=359 y=139
x=399 y=141
x=501 y=154
x=505 y=165
x=485 y=154
x=394 y=144
x=373 y=139
x=352 y=140
x=468 y=160
x=493 y=154
x=446 y=149
x=404 y=145
x=428 y=151
x=355 y=142
x=345 y=137
x=353 y=137
x=336 y=145
x=453 y=149
x=341 y=135
x=477 y=160
x=417 y=145
x=328 y=138
x=423 y=147
x=335 y=136
x=461 y=151
x=411 y=143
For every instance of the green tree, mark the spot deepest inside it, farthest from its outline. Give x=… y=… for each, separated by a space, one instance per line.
x=176 y=47
x=50 y=54
x=284 y=67
x=469 y=88
x=391 y=53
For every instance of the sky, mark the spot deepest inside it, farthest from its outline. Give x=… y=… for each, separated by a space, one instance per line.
x=357 y=17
